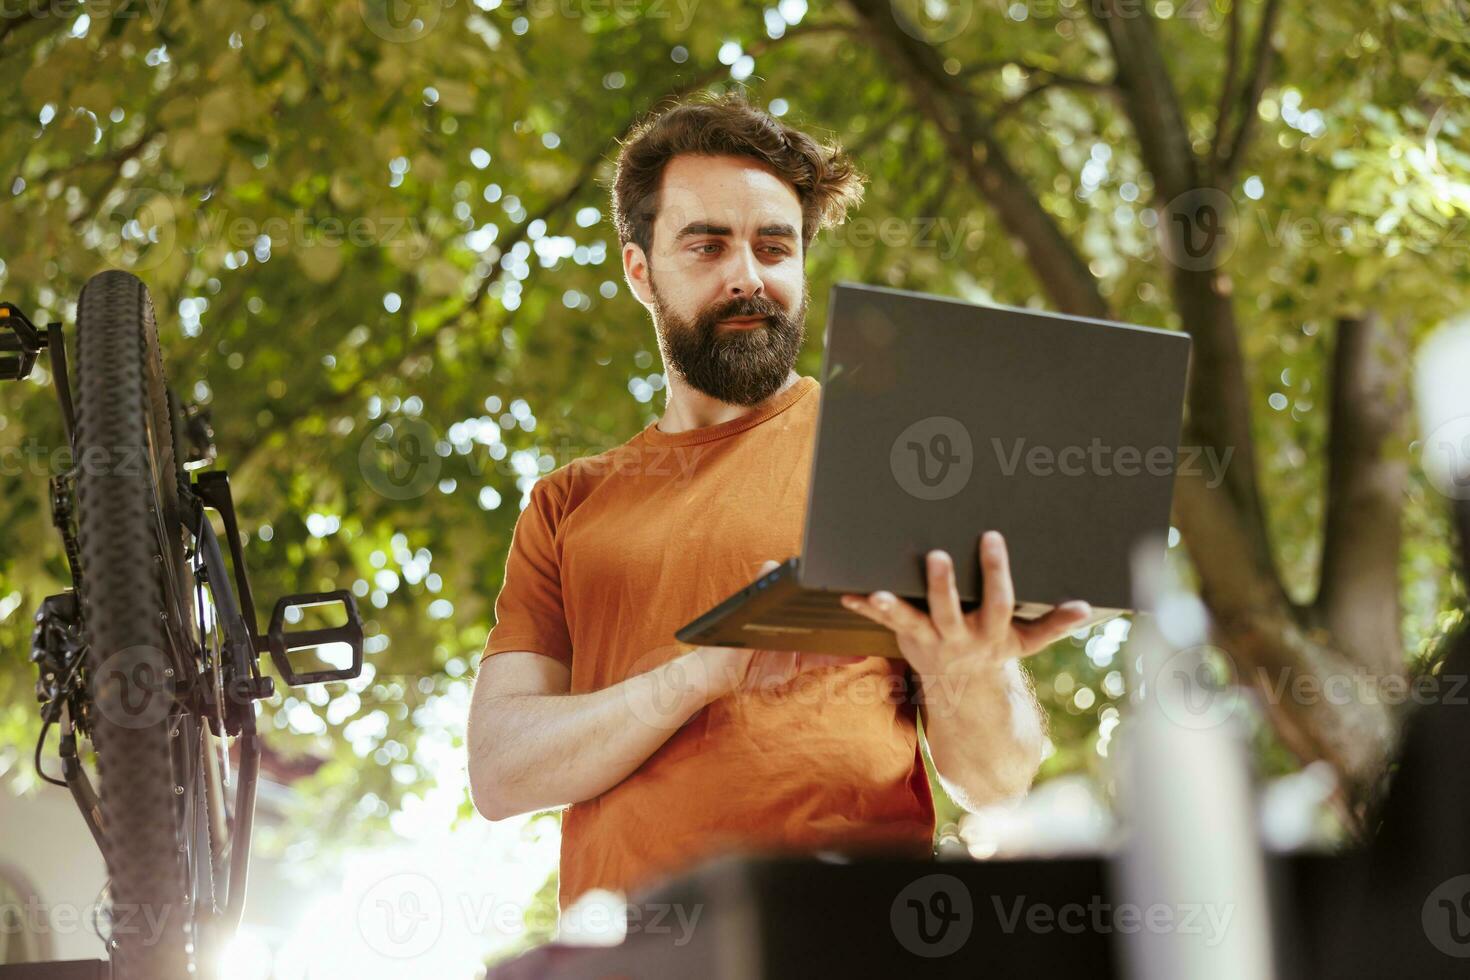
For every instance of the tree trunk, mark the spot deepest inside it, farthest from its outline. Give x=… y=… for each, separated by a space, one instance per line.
x=1348 y=639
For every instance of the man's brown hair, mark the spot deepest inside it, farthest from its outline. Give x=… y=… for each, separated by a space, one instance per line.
x=826 y=181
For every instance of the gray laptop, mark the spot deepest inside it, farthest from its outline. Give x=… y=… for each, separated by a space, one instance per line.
x=940 y=419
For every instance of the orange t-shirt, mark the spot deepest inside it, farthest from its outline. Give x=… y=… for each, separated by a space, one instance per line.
x=615 y=552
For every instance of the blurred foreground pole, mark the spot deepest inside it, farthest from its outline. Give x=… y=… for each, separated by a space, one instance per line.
x=1191 y=861
x=1442 y=392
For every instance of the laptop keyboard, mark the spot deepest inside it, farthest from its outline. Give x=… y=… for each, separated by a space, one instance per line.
x=824 y=610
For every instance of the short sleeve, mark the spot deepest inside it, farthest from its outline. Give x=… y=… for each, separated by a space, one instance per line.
x=529 y=612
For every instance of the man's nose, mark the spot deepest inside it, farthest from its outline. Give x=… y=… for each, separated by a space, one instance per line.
x=745 y=277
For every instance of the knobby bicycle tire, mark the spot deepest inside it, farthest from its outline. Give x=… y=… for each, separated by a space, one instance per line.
x=126 y=493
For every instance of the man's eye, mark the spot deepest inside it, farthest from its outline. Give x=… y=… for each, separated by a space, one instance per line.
x=713 y=247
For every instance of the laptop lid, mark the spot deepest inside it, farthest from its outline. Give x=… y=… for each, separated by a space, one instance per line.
x=940 y=419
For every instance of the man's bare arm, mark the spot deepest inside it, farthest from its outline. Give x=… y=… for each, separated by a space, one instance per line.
x=533 y=746
x=985 y=734
x=981 y=720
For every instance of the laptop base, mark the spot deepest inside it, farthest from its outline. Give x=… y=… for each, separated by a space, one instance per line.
x=776 y=612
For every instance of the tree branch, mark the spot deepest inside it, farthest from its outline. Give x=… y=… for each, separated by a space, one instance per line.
x=1149 y=97
x=1228 y=154
x=1052 y=82
x=874 y=134
x=1232 y=71
x=117 y=157
x=976 y=68
x=1271 y=652
x=972 y=145
x=1219 y=405
x=1224 y=526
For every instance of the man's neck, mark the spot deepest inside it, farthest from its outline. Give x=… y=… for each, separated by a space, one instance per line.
x=690 y=409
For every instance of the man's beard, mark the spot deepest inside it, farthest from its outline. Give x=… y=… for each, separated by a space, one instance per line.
x=738 y=366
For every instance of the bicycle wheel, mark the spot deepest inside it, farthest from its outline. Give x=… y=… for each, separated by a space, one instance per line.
x=131 y=546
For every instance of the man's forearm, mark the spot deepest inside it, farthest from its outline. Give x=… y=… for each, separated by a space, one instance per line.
x=984 y=733
x=535 y=751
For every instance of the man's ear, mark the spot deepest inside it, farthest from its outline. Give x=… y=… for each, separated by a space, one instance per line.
x=635 y=273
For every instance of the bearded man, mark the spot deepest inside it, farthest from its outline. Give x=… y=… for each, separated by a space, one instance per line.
x=666 y=754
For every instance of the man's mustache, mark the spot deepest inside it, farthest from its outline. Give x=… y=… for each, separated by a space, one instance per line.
x=742 y=311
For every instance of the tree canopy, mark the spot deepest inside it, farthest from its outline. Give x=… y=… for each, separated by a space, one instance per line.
x=364 y=220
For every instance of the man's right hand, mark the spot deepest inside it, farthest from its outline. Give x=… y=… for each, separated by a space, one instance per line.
x=742 y=669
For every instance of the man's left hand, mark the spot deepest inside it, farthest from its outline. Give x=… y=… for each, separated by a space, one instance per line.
x=946 y=640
